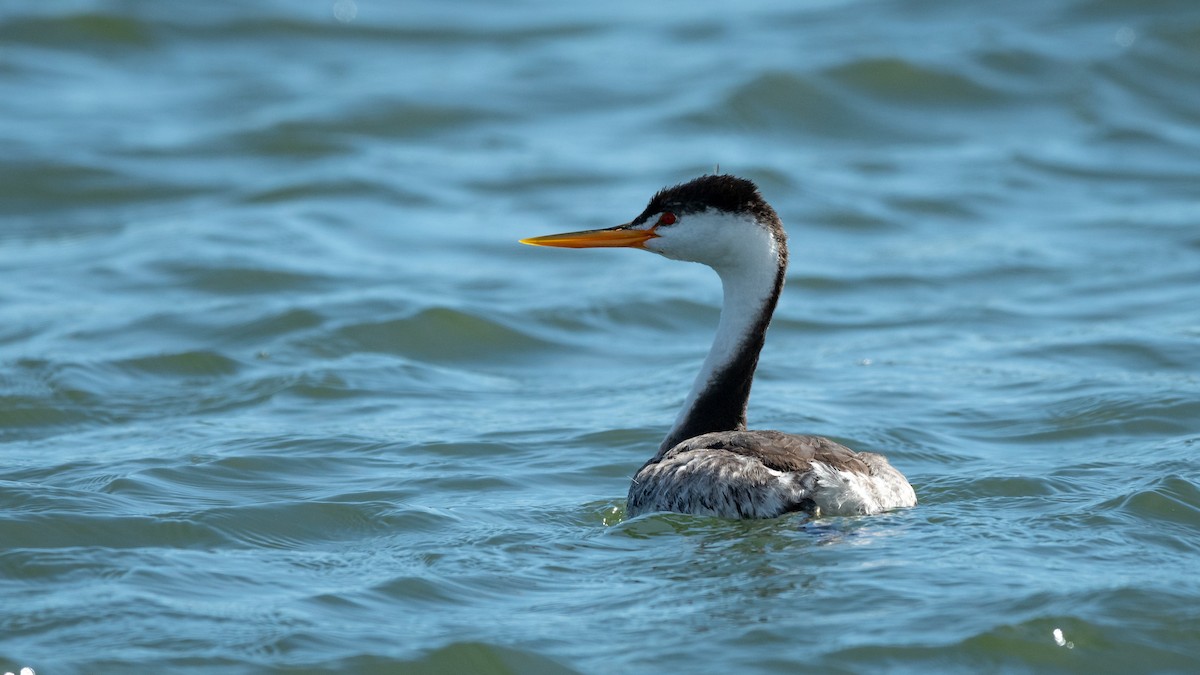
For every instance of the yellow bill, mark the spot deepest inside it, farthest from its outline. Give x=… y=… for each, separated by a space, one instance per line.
x=612 y=237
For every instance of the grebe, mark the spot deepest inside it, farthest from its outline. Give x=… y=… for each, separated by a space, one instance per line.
x=709 y=464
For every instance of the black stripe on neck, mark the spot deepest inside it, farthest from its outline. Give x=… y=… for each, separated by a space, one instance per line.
x=721 y=406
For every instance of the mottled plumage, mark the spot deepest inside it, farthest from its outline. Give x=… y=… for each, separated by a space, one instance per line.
x=764 y=474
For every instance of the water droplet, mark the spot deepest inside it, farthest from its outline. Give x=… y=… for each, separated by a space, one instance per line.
x=1061 y=641
x=1125 y=37
x=345 y=10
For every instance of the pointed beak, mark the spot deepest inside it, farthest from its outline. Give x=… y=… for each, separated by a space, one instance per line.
x=614 y=237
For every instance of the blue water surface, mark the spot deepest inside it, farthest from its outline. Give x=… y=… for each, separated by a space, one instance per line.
x=280 y=392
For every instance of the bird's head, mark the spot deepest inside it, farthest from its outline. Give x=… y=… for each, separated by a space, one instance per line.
x=721 y=221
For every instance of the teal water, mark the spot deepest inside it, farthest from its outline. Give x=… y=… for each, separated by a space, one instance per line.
x=280 y=392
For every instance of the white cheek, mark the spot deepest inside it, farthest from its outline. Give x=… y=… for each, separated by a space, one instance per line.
x=655 y=245
x=714 y=239
x=676 y=248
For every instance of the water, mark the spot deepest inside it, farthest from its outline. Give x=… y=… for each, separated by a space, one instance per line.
x=279 y=392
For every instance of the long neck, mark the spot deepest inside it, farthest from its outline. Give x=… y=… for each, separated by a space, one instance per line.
x=718 y=398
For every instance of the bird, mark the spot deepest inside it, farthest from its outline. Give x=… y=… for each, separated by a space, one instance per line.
x=709 y=463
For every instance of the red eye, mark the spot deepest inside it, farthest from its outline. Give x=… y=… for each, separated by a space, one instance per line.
x=667 y=218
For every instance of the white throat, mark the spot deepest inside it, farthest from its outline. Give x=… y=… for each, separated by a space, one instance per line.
x=748 y=266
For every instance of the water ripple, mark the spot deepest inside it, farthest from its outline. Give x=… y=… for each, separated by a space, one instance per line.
x=278 y=385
